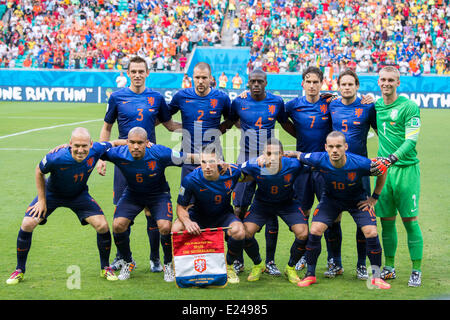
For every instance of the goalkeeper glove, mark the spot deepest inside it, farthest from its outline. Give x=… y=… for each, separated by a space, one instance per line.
x=378 y=166
x=389 y=161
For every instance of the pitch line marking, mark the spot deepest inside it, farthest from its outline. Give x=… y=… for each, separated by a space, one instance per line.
x=47 y=128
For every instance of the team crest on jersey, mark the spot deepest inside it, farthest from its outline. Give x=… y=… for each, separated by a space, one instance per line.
x=323 y=108
x=200 y=265
x=151 y=165
x=90 y=161
x=287 y=178
x=351 y=176
x=228 y=184
x=213 y=102
x=415 y=122
x=271 y=108
x=151 y=100
x=358 y=112
x=394 y=114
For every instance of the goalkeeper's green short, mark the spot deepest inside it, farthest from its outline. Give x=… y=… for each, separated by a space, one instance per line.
x=400 y=193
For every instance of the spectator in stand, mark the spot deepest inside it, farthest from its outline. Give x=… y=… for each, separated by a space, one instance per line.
x=236 y=81
x=88 y=34
x=349 y=34
x=186 y=82
x=223 y=80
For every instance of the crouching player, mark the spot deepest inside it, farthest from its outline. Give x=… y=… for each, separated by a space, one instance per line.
x=143 y=168
x=274 y=176
x=69 y=168
x=343 y=172
x=211 y=207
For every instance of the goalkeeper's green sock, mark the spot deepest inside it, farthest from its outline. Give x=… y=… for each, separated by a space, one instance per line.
x=415 y=243
x=389 y=236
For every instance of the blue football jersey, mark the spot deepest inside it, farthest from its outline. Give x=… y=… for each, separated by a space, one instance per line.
x=211 y=198
x=200 y=114
x=354 y=121
x=340 y=183
x=145 y=176
x=136 y=110
x=273 y=188
x=68 y=178
x=312 y=123
x=257 y=120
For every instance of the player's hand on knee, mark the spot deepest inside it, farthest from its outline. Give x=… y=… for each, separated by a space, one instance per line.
x=101 y=167
x=369 y=203
x=38 y=210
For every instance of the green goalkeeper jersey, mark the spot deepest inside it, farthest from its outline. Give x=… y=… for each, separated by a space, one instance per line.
x=398 y=130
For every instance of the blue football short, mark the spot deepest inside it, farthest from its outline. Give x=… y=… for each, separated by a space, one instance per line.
x=262 y=212
x=83 y=205
x=329 y=209
x=206 y=221
x=131 y=204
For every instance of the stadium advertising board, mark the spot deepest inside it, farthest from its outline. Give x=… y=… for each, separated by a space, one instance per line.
x=100 y=95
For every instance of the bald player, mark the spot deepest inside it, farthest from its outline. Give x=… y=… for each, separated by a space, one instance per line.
x=69 y=170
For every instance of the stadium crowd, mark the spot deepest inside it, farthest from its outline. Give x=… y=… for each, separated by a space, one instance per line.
x=287 y=36
x=86 y=34
x=284 y=36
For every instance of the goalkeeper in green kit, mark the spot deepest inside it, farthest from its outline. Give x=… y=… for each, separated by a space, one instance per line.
x=398 y=122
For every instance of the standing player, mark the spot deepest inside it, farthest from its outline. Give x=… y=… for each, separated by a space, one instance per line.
x=274 y=196
x=69 y=170
x=354 y=120
x=343 y=191
x=257 y=114
x=202 y=108
x=134 y=106
x=143 y=169
x=312 y=120
x=211 y=195
x=311 y=117
x=398 y=120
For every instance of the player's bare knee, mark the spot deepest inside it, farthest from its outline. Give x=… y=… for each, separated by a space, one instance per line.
x=29 y=224
x=119 y=226
x=164 y=227
x=102 y=227
x=237 y=231
x=300 y=231
x=369 y=231
x=318 y=229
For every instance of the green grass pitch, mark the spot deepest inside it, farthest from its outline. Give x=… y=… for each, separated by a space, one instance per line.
x=63 y=243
